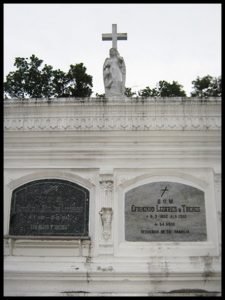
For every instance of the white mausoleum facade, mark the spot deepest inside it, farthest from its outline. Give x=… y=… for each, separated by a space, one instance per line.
x=111 y=147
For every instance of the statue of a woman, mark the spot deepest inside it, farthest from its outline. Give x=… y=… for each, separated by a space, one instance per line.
x=114 y=74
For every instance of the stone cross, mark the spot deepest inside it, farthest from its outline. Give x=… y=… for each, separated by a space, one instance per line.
x=114 y=36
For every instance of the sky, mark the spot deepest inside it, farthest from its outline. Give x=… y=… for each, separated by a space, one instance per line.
x=172 y=42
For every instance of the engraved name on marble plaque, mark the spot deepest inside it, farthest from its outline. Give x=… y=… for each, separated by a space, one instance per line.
x=165 y=211
x=50 y=207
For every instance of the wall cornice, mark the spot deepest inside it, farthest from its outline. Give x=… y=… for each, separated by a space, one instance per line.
x=70 y=114
x=113 y=100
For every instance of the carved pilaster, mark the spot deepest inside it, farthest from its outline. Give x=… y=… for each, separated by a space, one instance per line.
x=217 y=181
x=106 y=183
x=217 y=185
x=106 y=214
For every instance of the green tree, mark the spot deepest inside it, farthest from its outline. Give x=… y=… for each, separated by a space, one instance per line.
x=26 y=81
x=59 y=84
x=46 y=81
x=129 y=93
x=174 y=89
x=216 y=87
x=163 y=89
x=30 y=81
x=147 y=92
x=79 y=82
x=33 y=77
x=207 y=86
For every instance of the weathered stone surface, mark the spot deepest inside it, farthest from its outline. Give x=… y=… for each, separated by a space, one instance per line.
x=114 y=36
x=114 y=70
x=114 y=74
x=74 y=115
x=165 y=211
x=50 y=207
x=134 y=142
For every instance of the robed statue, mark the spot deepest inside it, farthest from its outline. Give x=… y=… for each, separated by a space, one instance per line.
x=114 y=74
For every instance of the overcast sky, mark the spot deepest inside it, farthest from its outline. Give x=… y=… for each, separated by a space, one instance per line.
x=165 y=41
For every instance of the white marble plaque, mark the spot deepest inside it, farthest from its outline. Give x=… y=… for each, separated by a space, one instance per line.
x=165 y=211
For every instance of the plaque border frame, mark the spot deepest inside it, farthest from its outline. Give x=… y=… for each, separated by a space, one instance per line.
x=87 y=196
x=202 y=179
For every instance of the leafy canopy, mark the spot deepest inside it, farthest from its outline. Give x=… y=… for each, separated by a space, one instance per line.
x=207 y=86
x=31 y=81
x=163 y=89
x=204 y=87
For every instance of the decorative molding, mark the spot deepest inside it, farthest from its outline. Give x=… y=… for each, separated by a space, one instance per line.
x=217 y=182
x=129 y=115
x=106 y=182
x=91 y=177
x=78 y=178
x=111 y=100
x=217 y=179
x=121 y=178
x=104 y=123
x=125 y=180
x=106 y=218
x=107 y=185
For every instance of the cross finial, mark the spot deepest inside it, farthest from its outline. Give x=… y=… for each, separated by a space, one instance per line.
x=114 y=36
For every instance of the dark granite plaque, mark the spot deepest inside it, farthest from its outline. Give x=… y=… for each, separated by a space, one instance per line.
x=165 y=211
x=50 y=207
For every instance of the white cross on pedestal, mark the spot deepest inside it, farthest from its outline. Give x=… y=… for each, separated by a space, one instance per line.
x=114 y=36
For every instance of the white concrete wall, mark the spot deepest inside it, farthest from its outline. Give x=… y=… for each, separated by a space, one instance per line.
x=109 y=148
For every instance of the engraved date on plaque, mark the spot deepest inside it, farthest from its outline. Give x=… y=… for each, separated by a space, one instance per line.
x=50 y=207
x=165 y=211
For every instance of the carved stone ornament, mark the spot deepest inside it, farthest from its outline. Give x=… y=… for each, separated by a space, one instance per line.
x=106 y=218
x=107 y=185
x=106 y=182
x=124 y=123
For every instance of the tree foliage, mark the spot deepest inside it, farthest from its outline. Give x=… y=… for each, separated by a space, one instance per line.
x=163 y=89
x=174 y=89
x=207 y=86
x=129 y=93
x=31 y=81
x=79 y=81
x=147 y=92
